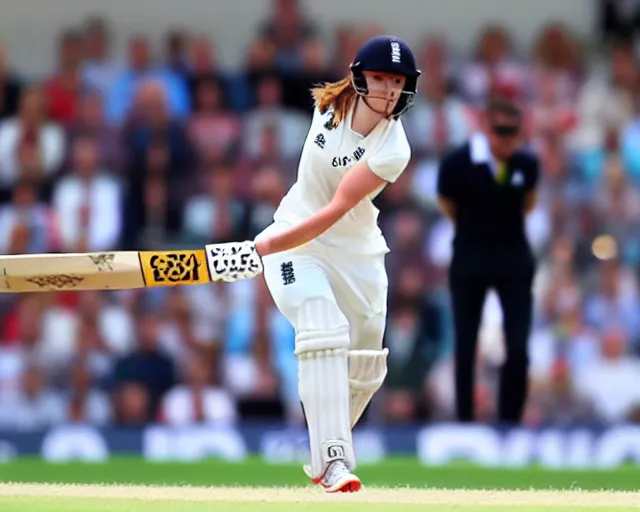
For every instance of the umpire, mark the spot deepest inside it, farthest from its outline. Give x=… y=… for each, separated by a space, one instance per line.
x=486 y=187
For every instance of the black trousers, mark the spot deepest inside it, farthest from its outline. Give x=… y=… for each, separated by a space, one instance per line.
x=469 y=284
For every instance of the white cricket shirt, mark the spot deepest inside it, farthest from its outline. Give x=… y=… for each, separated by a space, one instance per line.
x=326 y=156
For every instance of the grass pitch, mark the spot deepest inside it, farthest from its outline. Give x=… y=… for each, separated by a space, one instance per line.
x=392 y=473
x=129 y=484
x=20 y=497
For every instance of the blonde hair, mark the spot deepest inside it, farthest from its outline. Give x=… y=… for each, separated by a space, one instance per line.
x=337 y=95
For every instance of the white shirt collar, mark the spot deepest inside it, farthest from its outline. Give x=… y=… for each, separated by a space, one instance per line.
x=480 y=150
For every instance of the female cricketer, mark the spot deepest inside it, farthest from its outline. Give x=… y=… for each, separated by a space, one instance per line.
x=323 y=256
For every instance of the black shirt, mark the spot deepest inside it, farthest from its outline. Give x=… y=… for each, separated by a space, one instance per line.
x=490 y=216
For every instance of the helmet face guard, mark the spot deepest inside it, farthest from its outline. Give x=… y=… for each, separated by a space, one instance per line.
x=387 y=54
x=405 y=101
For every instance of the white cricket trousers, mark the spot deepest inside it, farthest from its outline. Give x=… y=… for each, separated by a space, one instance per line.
x=356 y=283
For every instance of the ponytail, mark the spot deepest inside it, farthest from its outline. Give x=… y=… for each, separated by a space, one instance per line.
x=337 y=95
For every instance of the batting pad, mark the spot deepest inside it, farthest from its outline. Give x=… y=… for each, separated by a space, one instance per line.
x=323 y=385
x=322 y=345
x=367 y=371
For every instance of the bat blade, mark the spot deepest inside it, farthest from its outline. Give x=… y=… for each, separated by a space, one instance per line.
x=120 y=270
x=73 y=271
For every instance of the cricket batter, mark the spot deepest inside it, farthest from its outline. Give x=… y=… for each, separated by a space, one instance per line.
x=323 y=256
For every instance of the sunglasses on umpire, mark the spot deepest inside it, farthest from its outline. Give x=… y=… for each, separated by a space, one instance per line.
x=505 y=130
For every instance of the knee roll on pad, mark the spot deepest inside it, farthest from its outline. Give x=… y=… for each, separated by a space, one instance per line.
x=320 y=325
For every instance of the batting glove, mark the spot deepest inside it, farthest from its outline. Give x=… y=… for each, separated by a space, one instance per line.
x=233 y=261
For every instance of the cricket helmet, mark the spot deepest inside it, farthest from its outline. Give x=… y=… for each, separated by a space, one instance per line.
x=387 y=54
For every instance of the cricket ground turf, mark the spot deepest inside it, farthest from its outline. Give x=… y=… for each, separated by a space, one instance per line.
x=133 y=485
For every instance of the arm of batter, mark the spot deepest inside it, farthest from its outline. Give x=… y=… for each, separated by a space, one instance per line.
x=359 y=182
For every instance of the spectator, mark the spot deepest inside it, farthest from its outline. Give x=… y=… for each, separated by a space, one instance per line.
x=91 y=349
x=87 y=202
x=203 y=66
x=615 y=302
x=268 y=155
x=268 y=190
x=313 y=70
x=30 y=138
x=146 y=365
x=409 y=361
x=105 y=327
x=563 y=180
x=438 y=120
x=259 y=363
x=158 y=221
x=215 y=214
x=436 y=54
x=609 y=382
x=85 y=403
x=214 y=130
x=152 y=122
x=207 y=305
x=131 y=404
x=605 y=104
x=198 y=400
x=35 y=406
x=64 y=88
x=403 y=219
x=552 y=110
x=142 y=68
x=21 y=337
x=177 y=337
x=160 y=162
x=176 y=42
x=407 y=228
x=347 y=41
x=493 y=65
x=261 y=61
x=561 y=293
x=618 y=19
x=99 y=70
x=27 y=214
x=559 y=402
x=291 y=127
x=90 y=122
x=616 y=203
x=556 y=49
x=287 y=29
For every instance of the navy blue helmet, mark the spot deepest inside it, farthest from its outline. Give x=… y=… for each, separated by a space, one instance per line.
x=391 y=55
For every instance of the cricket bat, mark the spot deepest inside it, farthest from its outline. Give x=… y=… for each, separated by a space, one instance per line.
x=120 y=270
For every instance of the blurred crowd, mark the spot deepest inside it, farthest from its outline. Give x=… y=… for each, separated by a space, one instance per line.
x=167 y=150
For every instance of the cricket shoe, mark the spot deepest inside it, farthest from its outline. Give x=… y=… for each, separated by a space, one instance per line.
x=336 y=478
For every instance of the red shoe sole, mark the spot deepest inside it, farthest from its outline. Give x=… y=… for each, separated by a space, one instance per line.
x=351 y=487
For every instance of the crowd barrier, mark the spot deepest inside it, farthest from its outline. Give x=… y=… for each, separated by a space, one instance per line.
x=433 y=445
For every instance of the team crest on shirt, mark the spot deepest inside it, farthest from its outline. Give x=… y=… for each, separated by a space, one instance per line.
x=517 y=180
x=330 y=124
